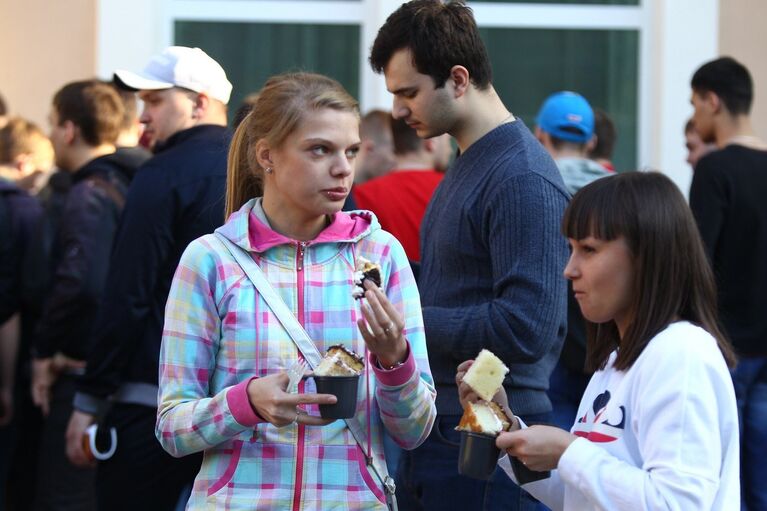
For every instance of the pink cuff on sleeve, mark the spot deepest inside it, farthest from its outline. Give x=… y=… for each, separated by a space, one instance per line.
x=397 y=376
x=239 y=404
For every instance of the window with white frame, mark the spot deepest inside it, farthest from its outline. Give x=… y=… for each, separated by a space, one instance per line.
x=537 y=47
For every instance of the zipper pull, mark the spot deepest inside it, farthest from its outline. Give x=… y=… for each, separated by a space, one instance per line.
x=301 y=250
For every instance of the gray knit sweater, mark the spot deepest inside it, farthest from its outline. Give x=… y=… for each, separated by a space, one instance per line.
x=492 y=265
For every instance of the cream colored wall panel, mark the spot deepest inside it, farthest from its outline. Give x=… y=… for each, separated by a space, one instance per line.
x=43 y=45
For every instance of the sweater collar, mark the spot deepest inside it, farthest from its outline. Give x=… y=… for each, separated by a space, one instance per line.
x=501 y=134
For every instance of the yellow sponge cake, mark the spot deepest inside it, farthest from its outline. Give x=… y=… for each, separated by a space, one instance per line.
x=485 y=376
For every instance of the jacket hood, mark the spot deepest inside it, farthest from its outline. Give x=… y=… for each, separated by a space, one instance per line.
x=245 y=229
x=130 y=158
x=123 y=162
x=578 y=172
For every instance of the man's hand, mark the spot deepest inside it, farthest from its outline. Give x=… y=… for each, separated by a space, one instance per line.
x=45 y=372
x=43 y=377
x=78 y=423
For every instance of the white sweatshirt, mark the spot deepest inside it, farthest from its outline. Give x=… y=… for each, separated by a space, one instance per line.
x=661 y=436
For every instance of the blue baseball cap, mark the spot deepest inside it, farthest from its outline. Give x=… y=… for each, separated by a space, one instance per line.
x=567 y=116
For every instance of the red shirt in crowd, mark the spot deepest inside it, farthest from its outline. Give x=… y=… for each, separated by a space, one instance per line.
x=399 y=200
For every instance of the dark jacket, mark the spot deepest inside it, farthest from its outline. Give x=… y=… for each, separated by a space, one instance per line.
x=20 y=215
x=39 y=266
x=86 y=231
x=176 y=197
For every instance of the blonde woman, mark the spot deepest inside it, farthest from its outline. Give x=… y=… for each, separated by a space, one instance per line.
x=224 y=355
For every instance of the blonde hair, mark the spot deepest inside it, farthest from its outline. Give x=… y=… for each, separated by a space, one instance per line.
x=280 y=108
x=19 y=137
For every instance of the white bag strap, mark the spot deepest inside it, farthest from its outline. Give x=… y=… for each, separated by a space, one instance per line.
x=307 y=348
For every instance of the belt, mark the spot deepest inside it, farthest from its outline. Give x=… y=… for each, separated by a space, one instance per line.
x=144 y=394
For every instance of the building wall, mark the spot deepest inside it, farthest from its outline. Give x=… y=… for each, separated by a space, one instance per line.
x=742 y=36
x=43 y=45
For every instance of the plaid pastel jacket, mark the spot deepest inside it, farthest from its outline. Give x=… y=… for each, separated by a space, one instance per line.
x=219 y=333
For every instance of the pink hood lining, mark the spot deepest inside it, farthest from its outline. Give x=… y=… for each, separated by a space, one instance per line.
x=253 y=235
x=344 y=227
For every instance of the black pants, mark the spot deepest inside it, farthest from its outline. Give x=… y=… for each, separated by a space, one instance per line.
x=19 y=447
x=61 y=486
x=141 y=476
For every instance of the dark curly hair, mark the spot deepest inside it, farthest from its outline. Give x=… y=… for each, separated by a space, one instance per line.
x=439 y=35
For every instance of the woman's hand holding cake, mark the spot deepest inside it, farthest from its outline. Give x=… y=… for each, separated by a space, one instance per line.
x=382 y=327
x=484 y=383
x=537 y=447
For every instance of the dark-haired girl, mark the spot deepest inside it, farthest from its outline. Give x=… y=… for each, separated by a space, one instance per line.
x=657 y=427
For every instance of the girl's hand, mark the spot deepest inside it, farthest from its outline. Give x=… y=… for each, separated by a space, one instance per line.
x=537 y=447
x=270 y=401
x=382 y=327
x=467 y=395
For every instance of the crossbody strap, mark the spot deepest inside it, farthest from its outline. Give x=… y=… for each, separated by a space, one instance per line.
x=307 y=348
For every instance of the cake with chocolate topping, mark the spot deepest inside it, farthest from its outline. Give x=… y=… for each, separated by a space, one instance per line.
x=339 y=361
x=365 y=270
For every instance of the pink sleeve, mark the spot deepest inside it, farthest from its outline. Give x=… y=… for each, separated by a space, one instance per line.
x=239 y=404
x=396 y=376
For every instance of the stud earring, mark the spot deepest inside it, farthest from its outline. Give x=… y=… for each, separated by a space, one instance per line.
x=268 y=170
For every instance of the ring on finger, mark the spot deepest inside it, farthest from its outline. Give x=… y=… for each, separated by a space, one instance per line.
x=388 y=328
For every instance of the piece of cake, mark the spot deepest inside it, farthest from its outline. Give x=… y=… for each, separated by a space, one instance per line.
x=485 y=376
x=338 y=361
x=365 y=270
x=484 y=417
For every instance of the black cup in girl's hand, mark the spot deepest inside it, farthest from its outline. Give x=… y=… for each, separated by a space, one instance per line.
x=524 y=475
x=478 y=455
x=345 y=390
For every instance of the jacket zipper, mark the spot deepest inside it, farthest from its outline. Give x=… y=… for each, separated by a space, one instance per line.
x=300 y=251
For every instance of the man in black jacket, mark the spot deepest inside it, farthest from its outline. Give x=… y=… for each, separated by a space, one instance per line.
x=727 y=197
x=85 y=121
x=177 y=196
x=24 y=151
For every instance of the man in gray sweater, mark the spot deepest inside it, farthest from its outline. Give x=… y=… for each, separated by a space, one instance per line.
x=492 y=252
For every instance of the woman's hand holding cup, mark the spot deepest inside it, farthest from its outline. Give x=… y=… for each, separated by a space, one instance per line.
x=272 y=403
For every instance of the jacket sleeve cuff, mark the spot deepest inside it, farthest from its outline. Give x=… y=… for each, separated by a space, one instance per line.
x=239 y=404
x=398 y=375
x=89 y=404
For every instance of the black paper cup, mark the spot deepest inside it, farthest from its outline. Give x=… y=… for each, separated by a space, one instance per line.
x=345 y=390
x=524 y=475
x=478 y=455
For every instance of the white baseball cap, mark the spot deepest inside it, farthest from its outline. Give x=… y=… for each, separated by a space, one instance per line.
x=179 y=66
